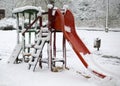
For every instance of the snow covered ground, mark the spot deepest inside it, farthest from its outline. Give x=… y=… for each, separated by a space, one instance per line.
x=107 y=61
x=7 y=22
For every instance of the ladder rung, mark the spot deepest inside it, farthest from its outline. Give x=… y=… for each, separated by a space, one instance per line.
x=58 y=60
x=26 y=54
x=35 y=55
x=29 y=45
x=44 y=60
x=37 y=47
x=44 y=34
x=44 y=29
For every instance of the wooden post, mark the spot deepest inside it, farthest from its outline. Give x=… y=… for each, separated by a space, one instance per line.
x=35 y=17
x=23 y=35
x=40 y=20
x=50 y=51
x=50 y=44
x=18 y=39
x=29 y=40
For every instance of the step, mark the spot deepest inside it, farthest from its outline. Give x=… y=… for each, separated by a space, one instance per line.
x=32 y=65
x=44 y=60
x=38 y=47
x=58 y=60
x=44 y=34
x=26 y=54
x=44 y=30
x=29 y=45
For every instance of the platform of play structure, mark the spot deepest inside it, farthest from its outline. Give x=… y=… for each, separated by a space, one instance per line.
x=59 y=21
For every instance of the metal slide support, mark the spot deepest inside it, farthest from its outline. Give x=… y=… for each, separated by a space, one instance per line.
x=54 y=44
x=107 y=16
x=64 y=51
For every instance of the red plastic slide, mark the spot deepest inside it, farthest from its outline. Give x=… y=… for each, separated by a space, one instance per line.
x=77 y=44
x=66 y=24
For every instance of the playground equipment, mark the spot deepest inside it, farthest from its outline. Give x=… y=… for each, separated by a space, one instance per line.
x=21 y=14
x=58 y=21
x=32 y=37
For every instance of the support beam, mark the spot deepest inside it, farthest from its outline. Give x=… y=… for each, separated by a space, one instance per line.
x=64 y=51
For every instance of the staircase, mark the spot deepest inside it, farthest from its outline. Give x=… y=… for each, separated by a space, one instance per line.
x=36 y=56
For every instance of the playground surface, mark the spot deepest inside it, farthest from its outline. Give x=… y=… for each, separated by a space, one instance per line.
x=107 y=61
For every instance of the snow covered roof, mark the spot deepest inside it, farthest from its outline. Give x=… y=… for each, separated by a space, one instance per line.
x=25 y=8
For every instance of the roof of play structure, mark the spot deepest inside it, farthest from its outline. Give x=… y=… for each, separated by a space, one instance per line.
x=27 y=9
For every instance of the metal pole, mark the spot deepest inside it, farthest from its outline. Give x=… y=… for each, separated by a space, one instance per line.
x=107 y=16
x=54 y=44
x=64 y=51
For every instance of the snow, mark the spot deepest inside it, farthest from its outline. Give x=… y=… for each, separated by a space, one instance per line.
x=65 y=7
x=40 y=11
x=29 y=45
x=21 y=9
x=19 y=75
x=68 y=29
x=53 y=12
x=49 y=6
x=8 y=22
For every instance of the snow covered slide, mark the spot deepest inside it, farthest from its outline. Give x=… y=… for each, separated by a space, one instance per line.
x=77 y=44
x=65 y=23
